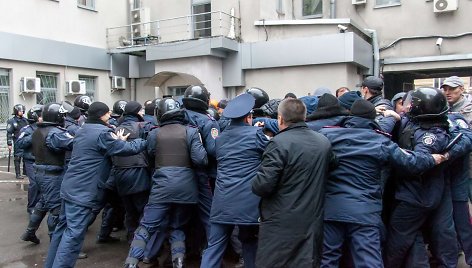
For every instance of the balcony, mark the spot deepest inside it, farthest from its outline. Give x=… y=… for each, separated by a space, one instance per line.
x=137 y=36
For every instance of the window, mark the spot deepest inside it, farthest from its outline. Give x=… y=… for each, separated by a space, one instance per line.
x=312 y=8
x=387 y=2
x=88 y=4
x=136 y=4
x=48 y=88
x=201 y=20
x=4 y=92
x=89 y=85
x=177 y=91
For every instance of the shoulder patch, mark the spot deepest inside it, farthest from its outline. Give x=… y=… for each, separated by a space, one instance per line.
x=429 y=139
x=214 y=133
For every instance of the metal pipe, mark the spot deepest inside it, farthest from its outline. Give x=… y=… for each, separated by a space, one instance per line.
x=332 y=5
x=375 y=47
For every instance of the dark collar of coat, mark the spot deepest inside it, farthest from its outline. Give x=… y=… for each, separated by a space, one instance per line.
x=293 y=126
x=95 y=121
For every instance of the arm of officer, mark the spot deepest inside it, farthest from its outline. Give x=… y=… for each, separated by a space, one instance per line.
x=268 y=123
x=386 y=123
x=24 y=141
x=115 y=146
x=267 y=178
x=59 y=141
x=197 y=152
x=210 y=131
x=414 y=162
x=10 y=130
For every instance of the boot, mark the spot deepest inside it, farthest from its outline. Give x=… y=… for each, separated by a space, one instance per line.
x=30 y=236
x=16 y=161
x=178 y=262
x=82 y=255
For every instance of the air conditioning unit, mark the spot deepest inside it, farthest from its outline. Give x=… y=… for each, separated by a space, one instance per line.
x=75 y=87
x=140 y=25
x=359 y=2
x=118 y=82
x=30 y=85
x=445 y=5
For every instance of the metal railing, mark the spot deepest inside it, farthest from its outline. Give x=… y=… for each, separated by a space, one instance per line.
x=209 y=24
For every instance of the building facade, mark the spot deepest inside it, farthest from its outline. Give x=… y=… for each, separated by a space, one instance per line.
x=131 y=49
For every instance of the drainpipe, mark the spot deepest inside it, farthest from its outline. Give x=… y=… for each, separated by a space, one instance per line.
x=332 y=6
x=133 y=89
x=375 y=46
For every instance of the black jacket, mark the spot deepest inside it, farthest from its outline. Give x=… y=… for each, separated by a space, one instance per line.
x=291 y=182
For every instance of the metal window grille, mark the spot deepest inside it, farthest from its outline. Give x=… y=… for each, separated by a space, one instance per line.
x=86 y=3
x=48 y=88
x=312 y=8
x=89 y=85
x=4 y=95
x=386 y=2
x=202 y=20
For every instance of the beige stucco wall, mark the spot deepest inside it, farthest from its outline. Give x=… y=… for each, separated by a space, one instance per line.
x=63 y=20
x=302 y=80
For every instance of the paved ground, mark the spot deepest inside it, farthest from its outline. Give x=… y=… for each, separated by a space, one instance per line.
x=15 y=253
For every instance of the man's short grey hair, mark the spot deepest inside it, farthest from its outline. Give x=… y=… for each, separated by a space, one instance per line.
x=292 y=111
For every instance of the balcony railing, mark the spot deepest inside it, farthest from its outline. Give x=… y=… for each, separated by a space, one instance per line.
x=210 y=24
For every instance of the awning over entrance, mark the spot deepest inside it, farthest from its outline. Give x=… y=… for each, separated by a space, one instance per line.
x=160 y=78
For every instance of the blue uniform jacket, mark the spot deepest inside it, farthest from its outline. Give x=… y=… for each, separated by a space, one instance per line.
x=223 y=123
x=90 y=163
x=354 y=189
x=132 y=180
x=425 y=190
x=458 y=165
x=386 y=123
x=71 y=125
x=14 y=125
x=238 y=151
x=318 y=124
x=177 y=184
x=269 y=123
x=209 y=129
x=24 y=141
x=151 y=119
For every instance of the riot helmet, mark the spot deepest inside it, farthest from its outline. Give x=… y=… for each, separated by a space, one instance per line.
x=34 y=113
x=426 y=103
x=118 y=108
x=213 y=113
x=270 y=108
x=83 y=103
x=19 y=108
x=260 y=95
x=166 y=105
x=196 y=97
x=55 y=113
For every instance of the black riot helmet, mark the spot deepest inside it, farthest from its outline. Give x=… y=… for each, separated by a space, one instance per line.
x=54 y=113
x=166 y=105
x=18 y=108
x=83 y=103
x=260 y=95
x=156 y=103
x=213 y=113
x=270 y=108
x=34 y=113
x=118 y=108
x=196 y=97
x=426 y=103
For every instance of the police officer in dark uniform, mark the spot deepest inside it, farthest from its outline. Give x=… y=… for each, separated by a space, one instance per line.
x=50 y=141
x=176 y=150
x=14 y=125
x=116 y=112
x=71 y=124
x=372 y=91
x=423 y=200
x=24 y=142
x=131 y=173
x=239 y=151
x=149 y=115
x=83 y=103
x=196 y=100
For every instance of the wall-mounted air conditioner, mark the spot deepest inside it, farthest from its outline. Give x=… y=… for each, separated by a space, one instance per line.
x=359 y=2
x=30 y=85
x=75 y=87
x=140 y=25
x=445 y=5
x=118 y=82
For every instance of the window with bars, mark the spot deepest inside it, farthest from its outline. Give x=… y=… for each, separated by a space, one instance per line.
x=387 y=2
x=89 y=4
x=312 y=8
x=90 y=82
x=48 y=88
x=201 y=20
x=176 y=91
x=4 y=95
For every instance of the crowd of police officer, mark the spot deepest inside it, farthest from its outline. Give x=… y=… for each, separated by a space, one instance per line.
x=157 y=166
